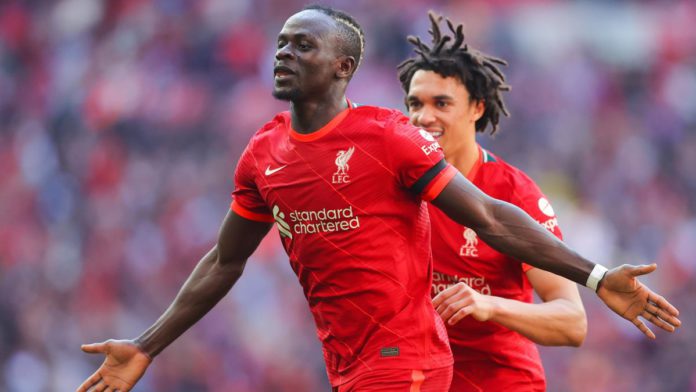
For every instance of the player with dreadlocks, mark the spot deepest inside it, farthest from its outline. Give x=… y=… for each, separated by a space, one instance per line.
x=346 y=186
x=454 y=91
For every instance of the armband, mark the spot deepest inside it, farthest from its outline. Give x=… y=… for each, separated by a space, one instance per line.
x=596 y=276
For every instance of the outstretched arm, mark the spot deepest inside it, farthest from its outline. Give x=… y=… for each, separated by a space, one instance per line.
x=509 y=230
x=216 y=273
x=212 y=278
x=558 y=321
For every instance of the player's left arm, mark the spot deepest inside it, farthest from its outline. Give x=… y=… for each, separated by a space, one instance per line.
x=508 y=229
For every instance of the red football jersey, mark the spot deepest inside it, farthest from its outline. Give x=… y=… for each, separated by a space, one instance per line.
x=488 y=356
x=348 y=203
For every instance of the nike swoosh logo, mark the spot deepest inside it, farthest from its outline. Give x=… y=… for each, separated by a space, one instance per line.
x=270 y=171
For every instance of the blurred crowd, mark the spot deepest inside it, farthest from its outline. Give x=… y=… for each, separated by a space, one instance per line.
x=121 y=122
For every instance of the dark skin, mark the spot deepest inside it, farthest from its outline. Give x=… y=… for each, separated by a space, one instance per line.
x=214 y=276
x=310 y=71
x=509 y=230
x=313 y=76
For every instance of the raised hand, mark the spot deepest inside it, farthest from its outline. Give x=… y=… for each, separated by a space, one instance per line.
x=624 y=294
x=123 y=366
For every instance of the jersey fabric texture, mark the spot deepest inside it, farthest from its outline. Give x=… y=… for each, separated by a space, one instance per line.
x=400 y=380
x=348 y=201
x=488 y=356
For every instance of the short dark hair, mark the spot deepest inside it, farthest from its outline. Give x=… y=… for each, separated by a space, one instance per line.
x=352 y=34
x=477 y=71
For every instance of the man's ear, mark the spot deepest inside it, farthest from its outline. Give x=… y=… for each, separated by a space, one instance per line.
x=479 y=109
x=345 y=67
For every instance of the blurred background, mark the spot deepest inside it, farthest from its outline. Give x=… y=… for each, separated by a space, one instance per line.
x=121 y=123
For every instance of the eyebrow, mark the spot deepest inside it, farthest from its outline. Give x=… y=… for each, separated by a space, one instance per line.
x=295 y=36
x=442 y=97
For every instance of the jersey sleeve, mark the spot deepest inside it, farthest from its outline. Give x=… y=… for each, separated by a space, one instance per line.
x=246 y=199
x=529 y=197
x=417 y=159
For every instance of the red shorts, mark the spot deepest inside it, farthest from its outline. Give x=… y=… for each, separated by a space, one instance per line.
x=496 y=378
x=400 y=380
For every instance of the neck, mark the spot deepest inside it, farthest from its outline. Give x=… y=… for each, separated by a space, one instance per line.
x=309 y=116
x=464 y=157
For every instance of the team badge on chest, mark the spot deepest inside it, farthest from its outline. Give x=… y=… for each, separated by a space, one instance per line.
x=470 y=247
x=341 y=175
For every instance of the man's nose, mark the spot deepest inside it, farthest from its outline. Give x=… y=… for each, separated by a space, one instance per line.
x=284 y=52
x=424 y=117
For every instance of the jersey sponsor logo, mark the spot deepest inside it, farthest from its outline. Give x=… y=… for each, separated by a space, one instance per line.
x=283 y=226
x=442 y=282
x=319 y=221
x=545 y=207
x=341 y=175
x=270 y=171
x=470 y=248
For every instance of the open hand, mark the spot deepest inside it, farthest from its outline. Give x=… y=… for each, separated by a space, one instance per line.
x=624 y=294
x=123 y=366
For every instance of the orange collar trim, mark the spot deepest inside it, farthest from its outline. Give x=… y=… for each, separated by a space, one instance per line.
x=309 y=137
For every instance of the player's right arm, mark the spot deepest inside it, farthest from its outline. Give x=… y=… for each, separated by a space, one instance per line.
x=509 y=230
x=215 y=274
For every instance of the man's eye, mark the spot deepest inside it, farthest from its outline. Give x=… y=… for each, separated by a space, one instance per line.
x=414 y=105
x=441 y=104
x=303 y=46
x=281 y=44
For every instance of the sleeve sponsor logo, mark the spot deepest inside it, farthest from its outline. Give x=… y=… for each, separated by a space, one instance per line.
x=550 y=224
x=426 y=135
x=545 y=207
x=433 y=146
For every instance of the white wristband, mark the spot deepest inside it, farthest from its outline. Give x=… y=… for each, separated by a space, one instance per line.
x=595 y=276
